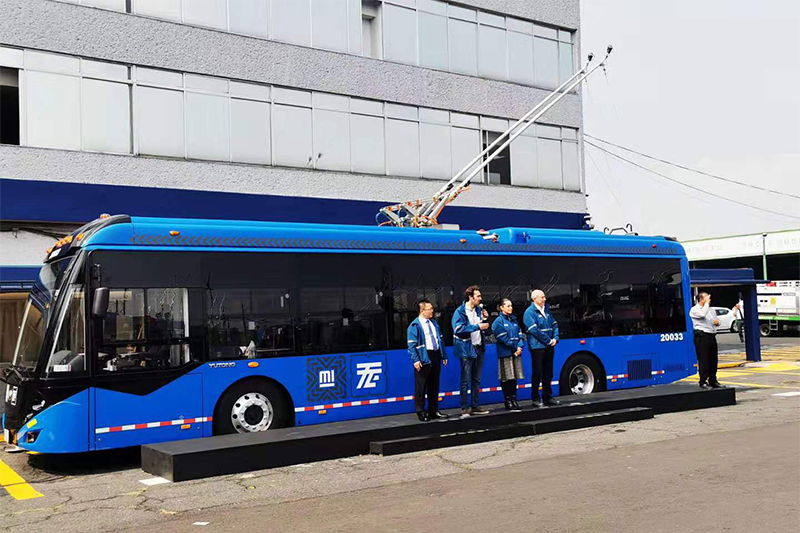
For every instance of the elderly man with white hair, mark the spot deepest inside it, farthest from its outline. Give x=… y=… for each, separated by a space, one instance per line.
x=541 y=330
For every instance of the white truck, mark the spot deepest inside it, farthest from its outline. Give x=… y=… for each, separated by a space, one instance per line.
x=778 y=307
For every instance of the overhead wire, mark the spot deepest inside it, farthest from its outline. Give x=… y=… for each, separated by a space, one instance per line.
x=633 y=163
x=605 y=182
x=708 y=174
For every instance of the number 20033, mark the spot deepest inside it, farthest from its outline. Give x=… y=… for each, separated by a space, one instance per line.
x=669 y=337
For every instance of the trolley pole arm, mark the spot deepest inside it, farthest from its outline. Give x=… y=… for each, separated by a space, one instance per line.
x=417 y=213
x=489 y=148
x=438 y=205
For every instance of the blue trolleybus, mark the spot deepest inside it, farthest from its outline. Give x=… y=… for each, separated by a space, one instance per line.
x=142 y=330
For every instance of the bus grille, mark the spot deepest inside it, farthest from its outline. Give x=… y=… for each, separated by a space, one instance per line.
x=640 y=369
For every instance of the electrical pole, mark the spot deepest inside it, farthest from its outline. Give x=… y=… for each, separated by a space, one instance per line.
x=764 y=253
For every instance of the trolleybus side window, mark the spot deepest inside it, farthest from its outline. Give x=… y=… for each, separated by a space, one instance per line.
x=249 y=323
x=413 y=278
x=341 y=306
x=145 y=329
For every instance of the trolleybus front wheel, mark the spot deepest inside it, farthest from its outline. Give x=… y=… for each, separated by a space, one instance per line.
x=250 y=406
x=582 y=374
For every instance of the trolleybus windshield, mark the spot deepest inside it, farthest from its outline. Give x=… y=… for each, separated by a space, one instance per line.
x=38 y=313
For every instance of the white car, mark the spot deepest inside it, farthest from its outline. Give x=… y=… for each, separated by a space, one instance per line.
x=727 y=319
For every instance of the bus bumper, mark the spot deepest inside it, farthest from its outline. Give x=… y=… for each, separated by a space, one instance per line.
x=60 y=428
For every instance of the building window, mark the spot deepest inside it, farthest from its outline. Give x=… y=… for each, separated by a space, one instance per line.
x=435 y=146
x=9 y=105
x=291 y=21
x=498 y=171
x=433 y=39
x=463 y=42
x=105 y=116
x=53 y=110
x=208 y=13
x=80 y=104
x=163 y=9
x=249 y=17
x=293 y=145
x=428 y=33
x=160 y=122
x=492 y=58
x=329 y=24
x=371 y=29
x=368 y=144
x=332 y=139
x=250 y=127
x=400 y=25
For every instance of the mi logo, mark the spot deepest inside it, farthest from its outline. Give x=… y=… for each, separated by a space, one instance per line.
x=369 y=374
x=327 y=378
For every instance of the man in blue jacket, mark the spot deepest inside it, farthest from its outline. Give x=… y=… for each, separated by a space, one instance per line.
x=469 y=346
x=541 y=330
x=426 y=348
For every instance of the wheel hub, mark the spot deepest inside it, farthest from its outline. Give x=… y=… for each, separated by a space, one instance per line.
x=252 y=412
x=581 y=380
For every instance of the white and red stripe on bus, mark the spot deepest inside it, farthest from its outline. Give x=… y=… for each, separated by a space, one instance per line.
x=149 y=425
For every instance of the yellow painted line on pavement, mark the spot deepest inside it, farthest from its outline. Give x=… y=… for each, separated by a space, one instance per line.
x=758 y=385
x=777 y=367
x=725 y=374
x=695 y=378
x=769 y=372
x=17 y=487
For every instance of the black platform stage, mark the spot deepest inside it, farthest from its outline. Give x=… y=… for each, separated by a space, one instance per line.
x=231 y=454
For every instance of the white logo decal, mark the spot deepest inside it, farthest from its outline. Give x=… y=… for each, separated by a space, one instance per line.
x=327 y=378
x=370 y=374
x=221 y=365
x=11 y=395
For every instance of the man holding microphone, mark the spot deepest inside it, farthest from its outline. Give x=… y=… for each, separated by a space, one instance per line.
x=468 y=345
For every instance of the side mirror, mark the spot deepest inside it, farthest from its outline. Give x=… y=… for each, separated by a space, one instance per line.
x=100 y=303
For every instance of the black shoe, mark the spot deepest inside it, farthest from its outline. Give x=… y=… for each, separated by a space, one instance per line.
x=550 y=402
x=508 y=405
x=514 y=404
x=536 y=404
x=704 y=386
x=437 y=415
x=716 y=385
x=423 y=416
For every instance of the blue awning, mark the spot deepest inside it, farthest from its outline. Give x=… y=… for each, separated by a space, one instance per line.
x=723 y=276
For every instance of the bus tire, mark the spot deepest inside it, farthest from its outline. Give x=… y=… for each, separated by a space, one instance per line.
x=581 y=374
x=249 y=406
x=765 y=330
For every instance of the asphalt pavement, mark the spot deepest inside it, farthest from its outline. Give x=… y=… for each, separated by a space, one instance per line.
x=734 y=468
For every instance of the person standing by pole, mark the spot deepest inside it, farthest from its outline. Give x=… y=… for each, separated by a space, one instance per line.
x=705 y=322
x=541 y=329
x=426 y=348
x=468 y=345
x=738 y=311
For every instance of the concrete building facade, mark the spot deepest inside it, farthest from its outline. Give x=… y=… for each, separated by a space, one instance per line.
x=299 y=110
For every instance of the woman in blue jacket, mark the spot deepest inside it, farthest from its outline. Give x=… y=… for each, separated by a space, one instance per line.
x=509 y=351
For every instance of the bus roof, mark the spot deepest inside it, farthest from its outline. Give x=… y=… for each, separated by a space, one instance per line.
x=172 y=233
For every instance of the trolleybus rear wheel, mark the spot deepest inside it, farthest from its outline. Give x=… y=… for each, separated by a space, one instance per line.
x=581 y=374
x=250 y=406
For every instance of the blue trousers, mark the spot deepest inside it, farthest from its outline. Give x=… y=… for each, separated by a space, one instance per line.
x=471 y=378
